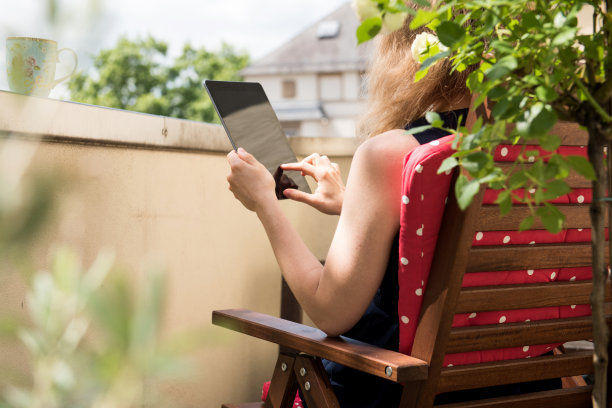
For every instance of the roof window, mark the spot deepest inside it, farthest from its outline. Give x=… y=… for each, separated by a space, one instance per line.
x=328 y=29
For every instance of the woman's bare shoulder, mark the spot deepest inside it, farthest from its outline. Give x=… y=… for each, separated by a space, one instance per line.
x=386 y=148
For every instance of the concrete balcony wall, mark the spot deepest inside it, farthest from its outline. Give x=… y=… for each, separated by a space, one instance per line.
x=154 y=188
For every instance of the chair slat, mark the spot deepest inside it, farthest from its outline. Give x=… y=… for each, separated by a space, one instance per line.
x=515 y=371
x=518 y=257
x=508 y=297
x=579 y=397
x=496 y=336
x=570 y=133
x=576 y=216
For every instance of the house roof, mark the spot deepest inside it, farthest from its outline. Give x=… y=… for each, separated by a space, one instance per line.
x=318 y=49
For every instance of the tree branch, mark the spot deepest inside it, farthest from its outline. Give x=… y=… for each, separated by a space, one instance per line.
x=604 y=93
x=600 y=111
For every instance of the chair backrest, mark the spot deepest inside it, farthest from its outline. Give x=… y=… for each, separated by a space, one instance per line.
x=495 y=299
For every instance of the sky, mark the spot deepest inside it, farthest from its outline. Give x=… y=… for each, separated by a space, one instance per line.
x=87 y=26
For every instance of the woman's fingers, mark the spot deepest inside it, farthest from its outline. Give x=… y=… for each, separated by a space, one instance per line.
x=305 y=168
x=312 y=159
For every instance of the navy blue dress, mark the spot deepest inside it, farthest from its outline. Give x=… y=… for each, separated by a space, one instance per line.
x=379 y=325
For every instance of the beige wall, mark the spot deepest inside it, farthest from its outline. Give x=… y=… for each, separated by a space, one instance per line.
x=172 y=206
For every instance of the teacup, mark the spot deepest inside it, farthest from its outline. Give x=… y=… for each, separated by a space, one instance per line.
x=30 y=65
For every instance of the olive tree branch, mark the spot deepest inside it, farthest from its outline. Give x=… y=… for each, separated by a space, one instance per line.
x=605 y=116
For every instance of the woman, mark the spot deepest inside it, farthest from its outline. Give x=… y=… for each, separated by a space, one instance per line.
x=355 y=293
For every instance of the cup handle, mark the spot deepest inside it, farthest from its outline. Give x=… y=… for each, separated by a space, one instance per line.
x=76 y=62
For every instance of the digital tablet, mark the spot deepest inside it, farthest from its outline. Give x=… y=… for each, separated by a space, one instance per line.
x=250 y=123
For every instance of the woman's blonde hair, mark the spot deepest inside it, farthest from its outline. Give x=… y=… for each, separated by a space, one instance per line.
x=394 y=99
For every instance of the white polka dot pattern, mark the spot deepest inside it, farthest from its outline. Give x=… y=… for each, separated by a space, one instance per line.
x=405 y=320
x=405 y=200
x=418 y=169
x=502 y=319
x=479 y=236
x=404 y=261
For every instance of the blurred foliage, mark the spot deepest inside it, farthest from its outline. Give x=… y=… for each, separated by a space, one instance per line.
x=93 y=340
x=140 y=76
x=88 y=338
x=26 y=201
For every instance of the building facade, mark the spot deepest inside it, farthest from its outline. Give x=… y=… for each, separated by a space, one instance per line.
x=316 y=81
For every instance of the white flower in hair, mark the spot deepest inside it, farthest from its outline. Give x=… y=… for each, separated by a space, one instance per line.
x=365 y=9
x=424 y=41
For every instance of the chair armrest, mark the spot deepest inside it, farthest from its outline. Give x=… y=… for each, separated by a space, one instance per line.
x=374 y=360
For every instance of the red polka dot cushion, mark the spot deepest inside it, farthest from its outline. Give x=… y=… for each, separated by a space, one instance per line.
x=424 y=194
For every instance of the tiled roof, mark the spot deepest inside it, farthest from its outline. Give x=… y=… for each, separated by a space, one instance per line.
x=307 y=53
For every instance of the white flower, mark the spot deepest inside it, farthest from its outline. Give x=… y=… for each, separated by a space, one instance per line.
x=365 y=9
x=422 y=42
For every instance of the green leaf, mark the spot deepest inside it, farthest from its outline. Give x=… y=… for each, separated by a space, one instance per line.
x=565 y=37
x=420 y=74
x=422 y=3
x=530 y=20
x=429 y=61
x=545 y=93
x=537 y=121
x=517 y=180
x=465 y=191
x=448 y=164
x=527 y=223
x=474 y=79
x=551 y=217
x=549 y=142
x=559 y=20
x=422 y=18
x=504 y=200
x=449 y=33
x=497 y=92
x=502 y=68
x=503 y=46
x=418 y=129
x=434 y=119
x=555 y=189
x=582 y=166
x=475 y=162
x=368 y=29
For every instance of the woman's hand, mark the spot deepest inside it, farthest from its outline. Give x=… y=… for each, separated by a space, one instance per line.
x=251 y=183
x=329 y=195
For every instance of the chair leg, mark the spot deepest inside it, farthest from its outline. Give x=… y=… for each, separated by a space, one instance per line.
x=569 y=382
x=410 y=395
x=314 y=383
x=283 y=385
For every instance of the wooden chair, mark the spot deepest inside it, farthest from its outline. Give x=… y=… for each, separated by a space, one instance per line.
x=422 y=373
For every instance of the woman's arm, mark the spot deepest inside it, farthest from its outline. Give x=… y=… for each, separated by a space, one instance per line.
x=335 y=296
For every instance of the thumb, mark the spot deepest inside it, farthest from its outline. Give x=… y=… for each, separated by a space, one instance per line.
x=298 y=195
